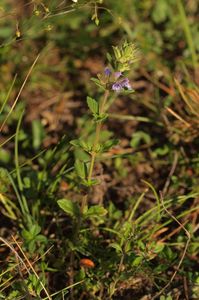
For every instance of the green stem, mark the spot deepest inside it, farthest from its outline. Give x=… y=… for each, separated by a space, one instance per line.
x=97 y=135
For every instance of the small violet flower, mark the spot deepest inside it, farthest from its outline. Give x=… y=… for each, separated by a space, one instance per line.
x=119 y=85
x=116 y=87
x=107 y=71
x=126 y=83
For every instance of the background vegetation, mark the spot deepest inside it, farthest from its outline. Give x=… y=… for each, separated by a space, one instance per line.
x=136 y=236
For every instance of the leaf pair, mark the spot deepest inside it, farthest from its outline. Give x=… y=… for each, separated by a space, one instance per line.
x=73 y=210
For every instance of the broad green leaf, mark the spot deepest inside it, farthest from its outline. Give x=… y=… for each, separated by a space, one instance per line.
x=137 y=261
x=93 y=105
x=35 y=230
x=96 y=211
x=81 y=168
x=69 y=207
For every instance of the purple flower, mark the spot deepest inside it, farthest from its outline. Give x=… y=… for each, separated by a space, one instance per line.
x=119 y=85
x=117 y=75
x=107 y=71
x=125 y=83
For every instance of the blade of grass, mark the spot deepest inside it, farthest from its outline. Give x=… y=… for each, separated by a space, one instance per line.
x=8 y=94
x=17 y=193
x=148 y=215
x=132 y=213
x=24 y=205
x=187 y=212
x=156 y=197
x=28 y=161
x=20 y=91
x=187 y=32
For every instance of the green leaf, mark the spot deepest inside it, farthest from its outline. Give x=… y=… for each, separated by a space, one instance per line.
x=75 y=143
x=116 y=247
x=95 y=211
x=37 y=133
x=4 y=180
x=161 y=151
x=96 y=21
x=90 y=183
x=81 y=168
x=93 y=105
x=26 y=235
x=137 y=261
x=98 y=83
x=5 y=156
x=31 y=234
x=100 y=117
x=109 y=57
x=35 y=230
x=69 y=207
x=160 y=11
x=41 y=238
x=138 y=137
x=81 y=144
x=109 y=144
x=158 y=247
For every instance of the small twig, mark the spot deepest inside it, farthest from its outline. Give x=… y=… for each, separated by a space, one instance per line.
x=183 y=254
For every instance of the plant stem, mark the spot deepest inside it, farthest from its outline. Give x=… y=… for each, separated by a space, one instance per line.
x=97 y=135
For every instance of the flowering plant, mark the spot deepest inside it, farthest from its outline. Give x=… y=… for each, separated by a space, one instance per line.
x=111 y=79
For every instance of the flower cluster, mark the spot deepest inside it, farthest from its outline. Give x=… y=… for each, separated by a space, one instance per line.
x=124 y=56
x=116 y=80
